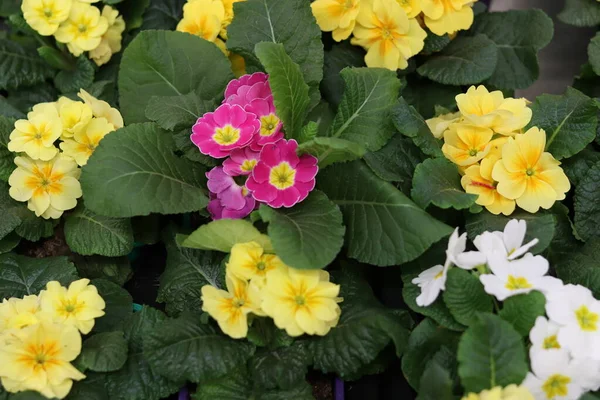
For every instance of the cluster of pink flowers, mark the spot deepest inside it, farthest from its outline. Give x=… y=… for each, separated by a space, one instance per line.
x=260 y=166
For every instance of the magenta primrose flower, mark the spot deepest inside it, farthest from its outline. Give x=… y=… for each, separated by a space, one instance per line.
x=241 y=162
x=247 y=88
x=270 y=124
x=281 y=178
x=228 y=199
x=218 y=211
x=229 y=127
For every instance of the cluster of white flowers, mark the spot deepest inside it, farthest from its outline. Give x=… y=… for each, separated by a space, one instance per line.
x=565 y=350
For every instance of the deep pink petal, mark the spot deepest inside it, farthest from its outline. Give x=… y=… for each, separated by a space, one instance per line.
x=259 y=107
x=238 y=116
x=260 y=90
x=246 y=80
x=261 y=141
x=306 y=172
x=270 y=155
x=261 y=172
x=290 y=196
x=231 y=167
x=232 y=197
x=304 y=188
x=264 y=192
x=277 y=201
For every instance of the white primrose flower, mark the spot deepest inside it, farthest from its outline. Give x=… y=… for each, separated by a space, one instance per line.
x=544 y=336
x=510 y=278
x=457 y=255
x=507 y=244
x=578 y=314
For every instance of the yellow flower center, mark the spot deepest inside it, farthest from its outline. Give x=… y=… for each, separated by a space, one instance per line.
x=517 y=282
x=588 y=321
x=226 y=135
x=248 y=165
x=261 y=266
x=238 y=302
x=40 y=356
x=551 y=342
x=300 y=300
x=530 y=172
x=48 y=12
x=82 y=28
x=282 y=176
x=70 y=307
x=439 y=275
x=44 y=181
x=473 y=152
x=556 y=385
x=386 y=33
x=268 y=124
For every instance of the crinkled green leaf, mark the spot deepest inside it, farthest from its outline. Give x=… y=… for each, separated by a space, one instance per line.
x=580 y=267
x=20 y=66
x=424 y=95
x=330 y=150
x=91 y=388
x=114 y=269
x=436 y=383
x=307 y=236
x=409 y=123
x=587 y=204
x=283 y=367
x=9 y=242
x=178 y=112
x=522 y=310
x=133 y=13
x=104 y=352
x=9 y=7
x=594 y=53
x=580 y=13
x=184 y=144
x=134 y=172
x=464 y=296
x=340 y=56
x=8 y=110
x=577 y=167
x=163 y=14
x=435 y=43
x=81 y=77
x=223 y=234
x=119 y=306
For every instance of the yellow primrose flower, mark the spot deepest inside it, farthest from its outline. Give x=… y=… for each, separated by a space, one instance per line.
x=511 y=392
x=492 y=110
x=336 y=16
x=411 y=7
x=390 y=38
x=248 y=261
x=228 y=7
x=231 y=308
x=18 y=313
x=38 y=358
x=202 y=18
x=301 y=301
x=49 y=187
x=478 y=180
x=74 y=115
x=86 y=140
x=111 y=40
x=438 y=125
x=528 y=174
x=83 y=30
x=36 y=135
x=44 y=16
x=466 y=144
x=101 y=109
x=79 y=305
x=447 y=16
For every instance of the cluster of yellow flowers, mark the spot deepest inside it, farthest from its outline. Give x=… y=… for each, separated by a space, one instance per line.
x=209 y=20
x=500 y=163
x=41 y=335
x=511 y=392
x=391 y=30
x=45 y=177
x=78 y=24
x=299 y=301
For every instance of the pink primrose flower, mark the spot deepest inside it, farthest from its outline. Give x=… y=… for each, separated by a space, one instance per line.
x=241 y=162
x=247 y=88
x=270 y=124
x=228 y=199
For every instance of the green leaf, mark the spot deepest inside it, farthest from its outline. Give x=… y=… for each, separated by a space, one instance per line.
x=330 y=150
x=436 y=383
x=539 y=226
x=307 y=236
x=580 y=13
x=175 y=113
x=464 y=296
x=290 y=23
x=564 y=241
x=435 y=43
x=33 y=228
x=9 y=7
x=20 y=276
x=437 y=181
x=570 y=121
x=491 y=353
x=81 y=77
x=24 y=98
x=465 y=61
x=137 y=380
x=163 y=14
x=190 y=150
x=222 y=234
x=580 y=267
x=577 y=167
x=114 y=269
x=383 y=226
x=424 y=95
x=58 y=60
x=283 y=367
x=438 y=311
x=9 y=242
x=104 y=352
x=290 y=92
x=340 y=56
x=587 y=204
x=88 y=233
x=20 y=66
x=134 y=172
x=409 y=123
x=119 y=306
x=264 y=333
x=162 y=63
x=594 y=53
x=369 y=96
x=522 y=310
x=186 y=348
x=518 y=35
x=133 y=13
x=91 y=388
x=8 y=110
x=365 y=328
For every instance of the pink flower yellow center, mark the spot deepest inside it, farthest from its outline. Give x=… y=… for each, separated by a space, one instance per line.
x=268 y=124
x=282 y=176
x=248 y=165
x=556 y=385
x=588 y=320
x=517 y=282
x=226 y=135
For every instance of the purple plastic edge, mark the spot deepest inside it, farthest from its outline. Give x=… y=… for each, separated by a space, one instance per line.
x=183 y=394
x=338 y=389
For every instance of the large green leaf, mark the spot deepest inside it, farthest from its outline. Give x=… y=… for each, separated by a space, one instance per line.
x=587 y=204
x=369 y=96
x=135 y=172
x=570 y=121
x=580 y=267
x=464 y=296
x=491 y=353
x=7 y=165
x=594 y=53
x=424 y=95
x=88 y=233
x=114 y=269
x=290 y=23
x=436 y=383
x=8 y=110
x=307 y=236
x=20 y=276
x=137 y=380
x=186 y=348
x=564 y=241
x=162 y=63
x=581 y=13
x=437 y=181
x=340 y=56
x=329 y=150
x=290 y=92
x=178 y=112
x=9 y=242
x=223 y=234
x=519 y=35
x=282 y=367
x=9 y=7
x=10 y=220
x=522 y=311
x=20 y=66
x=104 y=352
x=91 y=388
x=81 y=77
x=383 y=226
x=577 y=167
x=409 y=123
x=119 y=306
x=163 y=14
x=465 y=61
